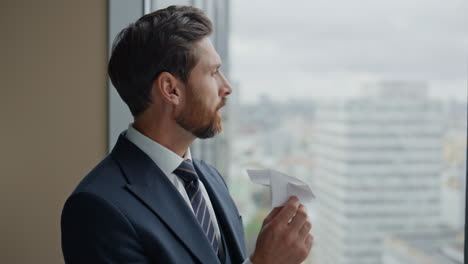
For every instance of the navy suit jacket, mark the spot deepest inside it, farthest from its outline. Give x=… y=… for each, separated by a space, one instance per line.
x=127 y=211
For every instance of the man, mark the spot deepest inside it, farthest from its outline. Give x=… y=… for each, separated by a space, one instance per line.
x=148 y=201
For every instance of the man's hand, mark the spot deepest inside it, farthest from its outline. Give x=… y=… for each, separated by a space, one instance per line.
x=284 y=237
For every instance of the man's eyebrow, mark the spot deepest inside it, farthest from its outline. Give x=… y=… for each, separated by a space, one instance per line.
x=215 y=65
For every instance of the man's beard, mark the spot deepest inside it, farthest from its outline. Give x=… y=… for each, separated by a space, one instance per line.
x=197 y=118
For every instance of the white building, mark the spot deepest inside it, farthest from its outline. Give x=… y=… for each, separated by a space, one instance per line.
x=454 y=176
x=443 y=246
x=377 y=170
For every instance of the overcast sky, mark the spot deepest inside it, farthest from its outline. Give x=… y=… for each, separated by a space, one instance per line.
x=328 y=48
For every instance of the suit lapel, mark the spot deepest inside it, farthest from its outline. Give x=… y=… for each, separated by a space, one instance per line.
x=224 y=208
x=147 y=182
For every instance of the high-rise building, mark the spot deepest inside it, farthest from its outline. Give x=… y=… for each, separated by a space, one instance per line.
x=454 y=175
x=377 y=170
x=443 y=246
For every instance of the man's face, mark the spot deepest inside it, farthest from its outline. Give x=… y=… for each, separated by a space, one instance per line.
x=205 y=93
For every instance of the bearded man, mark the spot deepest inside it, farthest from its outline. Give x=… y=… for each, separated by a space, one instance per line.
x=148 y=201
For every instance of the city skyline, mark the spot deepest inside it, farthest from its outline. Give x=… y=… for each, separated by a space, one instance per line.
x=412 y=130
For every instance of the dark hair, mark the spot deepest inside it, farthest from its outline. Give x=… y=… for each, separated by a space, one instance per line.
x=158 y=42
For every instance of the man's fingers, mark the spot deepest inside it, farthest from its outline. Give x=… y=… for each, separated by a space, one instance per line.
x=309 y=241
x=299 y=219
x=305 y=229
x=288 y=211
x=272 y=214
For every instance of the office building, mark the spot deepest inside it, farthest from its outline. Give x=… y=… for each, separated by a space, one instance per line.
x=378 y=167
x=442 y=246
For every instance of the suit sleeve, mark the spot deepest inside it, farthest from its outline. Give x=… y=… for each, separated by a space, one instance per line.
x=95 y=231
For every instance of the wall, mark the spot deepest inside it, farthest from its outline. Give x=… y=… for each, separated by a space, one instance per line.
x=53 y=109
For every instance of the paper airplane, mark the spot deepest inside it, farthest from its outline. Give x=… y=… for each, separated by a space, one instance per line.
x=282 y=186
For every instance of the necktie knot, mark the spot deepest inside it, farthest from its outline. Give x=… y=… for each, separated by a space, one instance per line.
x=186 y=172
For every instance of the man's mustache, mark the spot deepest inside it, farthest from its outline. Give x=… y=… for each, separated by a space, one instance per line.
x=222 y=103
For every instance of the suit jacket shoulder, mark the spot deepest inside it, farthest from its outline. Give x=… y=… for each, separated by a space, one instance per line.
x=126 y=211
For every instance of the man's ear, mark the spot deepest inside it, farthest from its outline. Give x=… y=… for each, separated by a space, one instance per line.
x=168 y=87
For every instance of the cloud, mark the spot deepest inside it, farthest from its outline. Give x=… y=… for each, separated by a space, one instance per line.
x=323 y=40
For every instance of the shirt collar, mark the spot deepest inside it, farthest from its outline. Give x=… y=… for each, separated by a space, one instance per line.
x=164 y=158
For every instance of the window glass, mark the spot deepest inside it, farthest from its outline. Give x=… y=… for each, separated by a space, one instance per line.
x=366 y=102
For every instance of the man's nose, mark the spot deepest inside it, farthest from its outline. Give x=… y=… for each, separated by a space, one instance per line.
x=226 y=88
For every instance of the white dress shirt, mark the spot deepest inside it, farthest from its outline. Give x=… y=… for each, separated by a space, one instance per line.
x=168 y=162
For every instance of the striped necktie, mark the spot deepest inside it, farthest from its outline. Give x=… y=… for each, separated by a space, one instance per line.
x=187 y=173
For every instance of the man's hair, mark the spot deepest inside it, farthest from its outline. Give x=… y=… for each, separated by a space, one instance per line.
x=158 y=42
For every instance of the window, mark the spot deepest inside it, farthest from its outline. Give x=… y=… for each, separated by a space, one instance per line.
x=366 y=101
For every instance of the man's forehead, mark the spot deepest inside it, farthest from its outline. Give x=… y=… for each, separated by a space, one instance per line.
x=208 y=56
